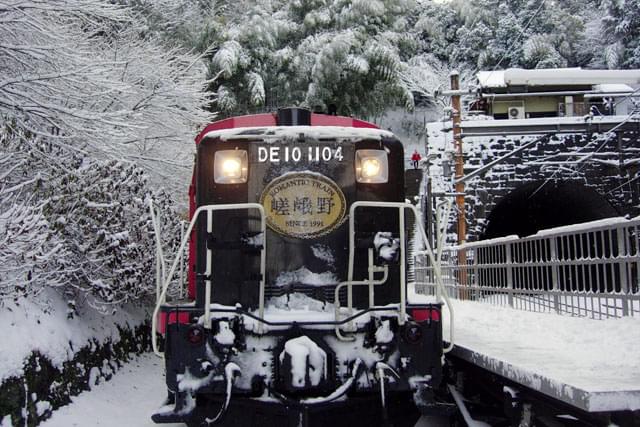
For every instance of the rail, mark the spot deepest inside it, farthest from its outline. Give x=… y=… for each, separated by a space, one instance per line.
x=590 y=270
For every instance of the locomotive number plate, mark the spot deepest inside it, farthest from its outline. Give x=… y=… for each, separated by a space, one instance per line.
x=307 y=154
x=303 y=205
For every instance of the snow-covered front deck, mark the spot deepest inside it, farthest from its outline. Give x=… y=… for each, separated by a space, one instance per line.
x=593 y=365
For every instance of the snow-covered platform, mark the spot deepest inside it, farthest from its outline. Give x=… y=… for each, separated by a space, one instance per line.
x=593 y=365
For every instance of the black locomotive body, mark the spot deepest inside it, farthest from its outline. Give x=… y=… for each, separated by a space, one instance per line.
x=300 y=313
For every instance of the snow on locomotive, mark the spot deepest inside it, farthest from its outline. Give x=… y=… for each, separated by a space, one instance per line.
x=299 y=311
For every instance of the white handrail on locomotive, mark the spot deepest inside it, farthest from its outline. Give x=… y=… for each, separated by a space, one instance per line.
x=401 y=206
x=160 y=261
x=443 y=210
x=371 y=282
x=181 y=280
x=167 y=280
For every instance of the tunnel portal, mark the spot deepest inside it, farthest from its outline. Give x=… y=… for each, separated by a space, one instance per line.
x=539 y=205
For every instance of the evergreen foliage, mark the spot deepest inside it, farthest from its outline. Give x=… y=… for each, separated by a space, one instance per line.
x=315 y=54
x=361 y=56
x=621 y=25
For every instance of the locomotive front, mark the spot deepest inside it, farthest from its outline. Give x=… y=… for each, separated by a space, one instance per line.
x=298 y=264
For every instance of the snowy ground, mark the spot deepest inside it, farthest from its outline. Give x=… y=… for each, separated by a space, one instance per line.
x=128 y=400
x=592 y=355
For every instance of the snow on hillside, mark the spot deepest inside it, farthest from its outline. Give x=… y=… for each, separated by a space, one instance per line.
x=41 y=324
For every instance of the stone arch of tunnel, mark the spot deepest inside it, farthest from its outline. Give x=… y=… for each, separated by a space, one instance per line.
x=539 y=205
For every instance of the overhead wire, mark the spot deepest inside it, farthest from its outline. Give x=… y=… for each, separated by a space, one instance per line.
x=627 y=97
x=583 y=162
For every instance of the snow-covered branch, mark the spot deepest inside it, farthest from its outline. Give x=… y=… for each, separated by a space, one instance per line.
x=87 y=95
x=80 y=226
x=84 y=72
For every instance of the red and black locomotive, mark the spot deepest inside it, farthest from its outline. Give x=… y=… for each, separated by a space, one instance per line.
x=299 y=311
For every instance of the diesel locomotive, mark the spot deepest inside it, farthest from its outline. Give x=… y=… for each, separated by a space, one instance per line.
x=299 y=311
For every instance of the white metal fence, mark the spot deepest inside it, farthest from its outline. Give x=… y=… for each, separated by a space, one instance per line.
x=589 y=269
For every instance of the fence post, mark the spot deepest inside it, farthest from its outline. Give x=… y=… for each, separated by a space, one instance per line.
x=554 y=273
x=476 y=279
x=622 y=265
x=509 y=265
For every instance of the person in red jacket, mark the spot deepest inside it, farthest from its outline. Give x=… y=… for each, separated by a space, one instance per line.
x=415 y=158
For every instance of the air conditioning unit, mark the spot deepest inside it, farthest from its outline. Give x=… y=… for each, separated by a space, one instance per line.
x=515 y=112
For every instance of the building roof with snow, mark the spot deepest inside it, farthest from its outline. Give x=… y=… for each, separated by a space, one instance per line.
x=516 y=93
x=557 y=77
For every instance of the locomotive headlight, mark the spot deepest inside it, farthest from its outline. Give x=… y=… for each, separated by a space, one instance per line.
x=372 y=166
x=230 y=166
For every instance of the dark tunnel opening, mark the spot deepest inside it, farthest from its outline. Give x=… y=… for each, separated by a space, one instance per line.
x=534 y=206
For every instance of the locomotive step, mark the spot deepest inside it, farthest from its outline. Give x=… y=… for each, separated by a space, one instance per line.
x=242 y=245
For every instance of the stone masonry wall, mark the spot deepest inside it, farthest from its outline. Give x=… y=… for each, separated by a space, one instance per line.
x=607 y=163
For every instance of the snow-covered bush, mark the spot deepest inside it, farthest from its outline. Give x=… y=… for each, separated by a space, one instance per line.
x=76 y=224
x=25 y=243
x=88 y=91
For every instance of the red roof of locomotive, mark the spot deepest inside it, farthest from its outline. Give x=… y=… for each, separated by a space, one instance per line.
x=269 y=119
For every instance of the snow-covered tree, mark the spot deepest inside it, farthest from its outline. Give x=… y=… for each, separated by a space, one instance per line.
x=176 y=22
x=436 y=25
x=347 y=54
x=514 y=33
x=87 y=93
x=82 y=73
x=505 y=49
x=620 y=29
x=539 y=52
x=472 y=41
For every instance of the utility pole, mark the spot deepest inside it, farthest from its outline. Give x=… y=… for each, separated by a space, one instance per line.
x=459 y=156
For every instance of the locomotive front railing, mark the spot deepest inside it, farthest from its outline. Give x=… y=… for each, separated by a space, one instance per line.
x=209 y=209
x=161 y=263
x=590 y=270
x=435 y=262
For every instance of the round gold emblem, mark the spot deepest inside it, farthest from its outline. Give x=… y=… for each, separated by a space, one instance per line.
x=303 y=205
